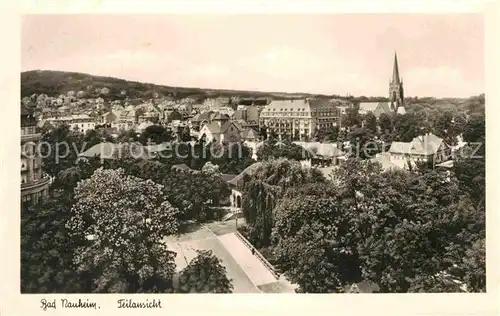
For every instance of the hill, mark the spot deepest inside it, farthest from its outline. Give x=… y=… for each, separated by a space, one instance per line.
x=54 y=83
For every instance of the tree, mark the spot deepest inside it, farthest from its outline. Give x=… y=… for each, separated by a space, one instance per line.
x=260 y=199
x=332 y=135
x=311 y=244
x=351 y=118
x=363 y=143
x=371 y=124
x=210 y=168
x=271 y=149
x=385 y=125
x=233 y=158
x=60 y=149
x=264 y=187
x=124 y=219
x=127 y=136
x=205 y=274
x=406 y=127
x=46 y=257
x=155 y=134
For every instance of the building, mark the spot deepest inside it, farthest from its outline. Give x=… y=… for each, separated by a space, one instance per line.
x=426 y=148
x=377 y=108
x=34 y=183
x=238 y=183
x=298 y=118
x=77 y=123
x=321 y=154
x=221 y=129
x=396 y=91
x=249 y=114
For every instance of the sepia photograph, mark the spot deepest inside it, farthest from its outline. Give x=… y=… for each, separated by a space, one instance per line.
x=252 y=153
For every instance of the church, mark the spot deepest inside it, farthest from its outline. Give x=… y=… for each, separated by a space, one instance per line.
x=396 y=96
x=396 y=91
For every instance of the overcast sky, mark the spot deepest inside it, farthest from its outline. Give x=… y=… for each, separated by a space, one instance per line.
x=439 y=55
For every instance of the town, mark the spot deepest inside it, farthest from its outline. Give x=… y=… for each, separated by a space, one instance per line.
x=264 y=194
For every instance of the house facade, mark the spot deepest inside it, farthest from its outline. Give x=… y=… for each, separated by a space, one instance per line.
x=425 y=148
x=221 y=129
x=34 y=183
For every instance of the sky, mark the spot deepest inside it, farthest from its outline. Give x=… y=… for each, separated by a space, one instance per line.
x=438 y=55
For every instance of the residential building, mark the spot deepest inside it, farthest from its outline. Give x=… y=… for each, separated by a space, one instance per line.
x=126 y=120
x=221 y=129
x=426 y=148
x=201 y=119
x=298 y=118
x=34 y=183
x=78 y=123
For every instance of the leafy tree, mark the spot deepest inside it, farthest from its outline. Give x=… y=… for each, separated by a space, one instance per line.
x=205 y=274
x=93 y=137
x=125 y=219
x=332 y=134
x=312 y=248
x=46 y=257
x=155 y=134
x=260 y=199
x=60 y=149
x=127 y=136
x=271 y=149
x=351 y=118
x=406 y=127
x=264 y=187
x=371 y=124
x=210 y=168
x=386 y=127
x=363 y=144
x=233 y=158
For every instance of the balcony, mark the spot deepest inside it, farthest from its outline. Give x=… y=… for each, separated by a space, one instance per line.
x=37 y=184
x=30 y=137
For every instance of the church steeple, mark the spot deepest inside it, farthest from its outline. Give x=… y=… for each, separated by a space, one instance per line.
x=395 y=70
x=396 y=92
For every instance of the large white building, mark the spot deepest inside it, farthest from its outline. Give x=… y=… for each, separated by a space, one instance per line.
x=298 y=118
x=81 y=123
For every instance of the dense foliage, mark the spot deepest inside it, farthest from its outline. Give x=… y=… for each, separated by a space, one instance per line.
x=205 y=274
x=125 y=219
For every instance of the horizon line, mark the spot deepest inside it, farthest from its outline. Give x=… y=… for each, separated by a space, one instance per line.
x=250 y=91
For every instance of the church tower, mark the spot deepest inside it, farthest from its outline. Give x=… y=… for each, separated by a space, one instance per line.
x=396 y=94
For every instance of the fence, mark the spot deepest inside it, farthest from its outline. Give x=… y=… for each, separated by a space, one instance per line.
x=259 y=255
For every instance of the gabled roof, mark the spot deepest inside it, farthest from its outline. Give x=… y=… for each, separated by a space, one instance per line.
x=373 y=106
x=227 y=124
x=400 y=148
x=421 y=145
x=249 y=133
x=228 y=177
x=205 y=116
x=214 y=128
x=115 y=151
x=220 y=117
x=318 y=149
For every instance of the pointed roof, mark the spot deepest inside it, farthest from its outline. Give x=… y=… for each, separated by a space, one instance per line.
x=395 y=69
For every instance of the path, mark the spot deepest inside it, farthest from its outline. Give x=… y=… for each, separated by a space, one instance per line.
x=253 y=267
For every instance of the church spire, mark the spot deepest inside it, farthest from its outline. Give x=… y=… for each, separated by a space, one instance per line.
x=395 y=69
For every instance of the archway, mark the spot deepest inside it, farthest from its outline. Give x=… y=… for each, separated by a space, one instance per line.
x=238 y=201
